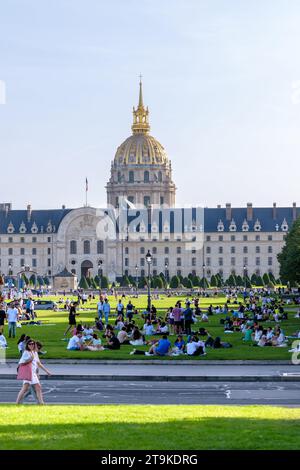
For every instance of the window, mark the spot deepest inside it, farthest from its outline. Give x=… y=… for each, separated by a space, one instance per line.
x=34 y=239
x=49 y=262
x=86 y=247
x=167 y=261
x=232 y=249
x=257 y=261
x=159 y=176
x=154 y=272
x=208 y=238
x=142 y=261
x=49 y=251
x=220 y=261
x=49 y=239
x=34 y=263
x=178 y=261
x=49 y=272
x=10 y=251
x=207 y=261
x=166 y=250
x=131 y=177
x=178 y=272
x=126 y=272
x=257 y=238
x=10 y=239
x=126 y=250
x=73 y=247
x=245 y=238
x=270 y=261
x=142 y=273
x=208 y=249
x=100 y=247
x=220 y=238
x=220 y=249
x=178 y=250
x=142 y=250
x=22 y=262
x=154 y=261
x=193 y=251
x=270 y=238
x=270 y=249
x=245 y=261
x=245 y=249
x=232 y=238
x=194 y=261
x=34 y=251
x=154 y=250
x=232 y=261
x=22 y=251
x=162 y=200
x=146 y=177
x=257 y=249
x=22 y=240
x=126 y=262
x=147 y=200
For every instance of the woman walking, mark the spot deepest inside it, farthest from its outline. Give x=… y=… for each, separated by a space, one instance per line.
x=28 y=371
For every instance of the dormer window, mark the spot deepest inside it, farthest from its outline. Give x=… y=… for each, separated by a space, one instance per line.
x=257 y=226
x=245 y=226
x=284 y=226
x=232 y=226
x=220 y=226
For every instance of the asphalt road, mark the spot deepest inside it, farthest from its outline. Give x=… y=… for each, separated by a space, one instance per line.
x=97 y=392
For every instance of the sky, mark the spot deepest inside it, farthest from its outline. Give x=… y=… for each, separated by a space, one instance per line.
x=221 y=79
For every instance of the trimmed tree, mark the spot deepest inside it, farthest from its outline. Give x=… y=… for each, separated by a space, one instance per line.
x=104 y=282
x=175 y=281
x=83 y=284
x=289 y=257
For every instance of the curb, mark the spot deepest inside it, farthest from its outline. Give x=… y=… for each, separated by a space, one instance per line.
x=170 y=378
x=149 y=361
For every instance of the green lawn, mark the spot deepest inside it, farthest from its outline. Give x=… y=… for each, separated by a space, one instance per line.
x=55 y=323
x=127 y=427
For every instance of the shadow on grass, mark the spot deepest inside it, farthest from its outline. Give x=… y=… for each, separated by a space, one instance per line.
x=199 y=434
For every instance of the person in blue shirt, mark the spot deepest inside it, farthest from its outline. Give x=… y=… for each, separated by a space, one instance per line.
x=161 y=348
x=106 y=310
x=180 y=344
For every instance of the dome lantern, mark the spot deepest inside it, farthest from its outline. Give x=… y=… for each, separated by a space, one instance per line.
x=140 y=115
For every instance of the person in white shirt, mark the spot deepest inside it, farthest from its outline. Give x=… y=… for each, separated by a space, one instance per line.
x=148 y=328
x=3 y=342
x=12 y=318
x=195 y=347
x=76 y=343
x=100 y=309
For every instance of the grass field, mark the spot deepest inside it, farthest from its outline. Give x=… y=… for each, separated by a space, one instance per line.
x=148 y=427
x=50 y=333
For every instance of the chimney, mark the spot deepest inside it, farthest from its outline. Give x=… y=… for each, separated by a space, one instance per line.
x=228 y=211
x=219 y=206
x=274 y=211
x=249 y=211
x=294 y=211
x=29 y=212
x=63 y=206
x=6 y=210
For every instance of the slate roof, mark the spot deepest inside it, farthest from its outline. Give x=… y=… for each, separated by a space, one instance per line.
x=42 y=219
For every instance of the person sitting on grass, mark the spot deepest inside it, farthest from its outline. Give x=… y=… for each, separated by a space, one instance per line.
x=248 y=334
x=76 y=343
x=162 y=328
x=87 y=332
x=217 y=344
x=148 y=328
x=98 y=324
x=119 y=323
x=112 y=342
x=123 y=336
x=94 y=344
x=179 y=345
x=160 y=348
x=137 y=338
x=195 y=347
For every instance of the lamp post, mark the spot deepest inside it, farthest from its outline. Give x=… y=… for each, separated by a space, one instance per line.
x=136 y=276
x=100 y=277
x=166 y=272
x=245 y=271
x=149 y=261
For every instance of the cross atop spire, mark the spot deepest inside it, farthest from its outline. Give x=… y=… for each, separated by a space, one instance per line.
x=140 y=115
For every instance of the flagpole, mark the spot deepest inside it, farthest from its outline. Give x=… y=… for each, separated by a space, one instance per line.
x=86 y=192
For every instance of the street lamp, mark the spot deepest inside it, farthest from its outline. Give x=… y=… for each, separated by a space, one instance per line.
x=136 y=276
x=245 y=270
x=166 y=272
x=149 y=261
x=100 y=277
x=203 y=270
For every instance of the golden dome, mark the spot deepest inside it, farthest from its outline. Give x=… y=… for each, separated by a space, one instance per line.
x=141 y=148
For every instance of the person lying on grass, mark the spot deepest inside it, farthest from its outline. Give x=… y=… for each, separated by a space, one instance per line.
x=160 y=348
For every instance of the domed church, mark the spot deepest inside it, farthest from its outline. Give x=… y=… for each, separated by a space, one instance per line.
x=141 y=171
x=141 y=215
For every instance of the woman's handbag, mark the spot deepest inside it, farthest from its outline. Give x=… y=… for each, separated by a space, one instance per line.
x=24 y=372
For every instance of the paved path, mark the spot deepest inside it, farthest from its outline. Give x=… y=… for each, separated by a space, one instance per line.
x=130 y=392
x=197 y=371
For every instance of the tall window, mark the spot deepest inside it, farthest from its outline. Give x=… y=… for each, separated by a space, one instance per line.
x=159 y=176
x=86 y=247
x=73 y=247
x=146 y=177
x=100 y=247
x=131 y=177
x=147 y=200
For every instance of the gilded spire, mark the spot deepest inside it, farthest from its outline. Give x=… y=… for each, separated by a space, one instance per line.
x=140 y=115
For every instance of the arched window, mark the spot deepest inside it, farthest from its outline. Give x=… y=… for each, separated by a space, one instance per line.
x=146 y=177
x=119 y=177
x=131 y=177
x=86 y=247
x=100 y=247
x=73 y=247
x=160 y=176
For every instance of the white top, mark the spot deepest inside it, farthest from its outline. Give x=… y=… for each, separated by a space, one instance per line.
x=192 y=347
x=12 y=315
x=3 y=342
x=99 y=306
x=74 y=342
x=148 y=329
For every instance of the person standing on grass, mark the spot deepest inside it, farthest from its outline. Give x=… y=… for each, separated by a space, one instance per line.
x=72 y=318
x=2 y=317
x=100 y=309
x=30 y=356
x=177 y=317
x=188 y=318
x=12 y=318
x=106 y=310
